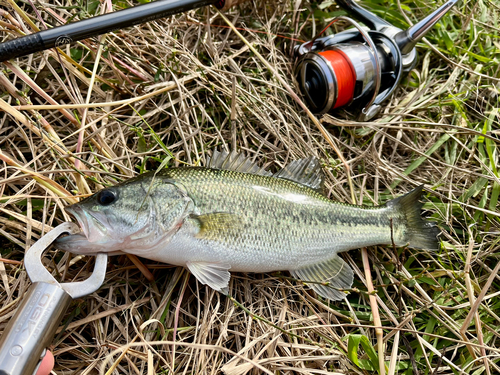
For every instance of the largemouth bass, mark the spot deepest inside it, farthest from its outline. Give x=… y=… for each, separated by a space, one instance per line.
x=234 y=216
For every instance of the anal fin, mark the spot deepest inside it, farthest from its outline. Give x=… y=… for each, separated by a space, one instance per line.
x=334 y=272
x=215 y=275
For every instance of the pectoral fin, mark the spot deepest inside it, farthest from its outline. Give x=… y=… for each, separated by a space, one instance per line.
x=218 y=225
x=333 y=274
x=215 y=275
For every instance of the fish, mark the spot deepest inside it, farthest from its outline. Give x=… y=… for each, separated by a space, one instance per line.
x=233 y=216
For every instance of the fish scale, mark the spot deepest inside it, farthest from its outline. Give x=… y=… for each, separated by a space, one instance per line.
x=214 y=220
x=285 y=225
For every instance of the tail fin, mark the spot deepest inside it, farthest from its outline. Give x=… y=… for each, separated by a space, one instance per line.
x=420 y=234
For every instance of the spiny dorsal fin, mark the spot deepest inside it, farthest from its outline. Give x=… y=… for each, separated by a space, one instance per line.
x=334 y=273
x=235 y=162
x=304 y=171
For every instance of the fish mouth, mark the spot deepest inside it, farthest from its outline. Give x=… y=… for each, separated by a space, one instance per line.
x=93 y=237
x=93 y=228
x=77 y=244
x=80 y=216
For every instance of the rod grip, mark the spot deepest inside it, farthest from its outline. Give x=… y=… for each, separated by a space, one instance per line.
x=21 y=47
x=223 y=5
x=32 y=328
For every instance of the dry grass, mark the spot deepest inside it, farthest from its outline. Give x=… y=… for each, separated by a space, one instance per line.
x=130 y=99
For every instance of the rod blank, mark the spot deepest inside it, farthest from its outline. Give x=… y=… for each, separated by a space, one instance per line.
x=90 y=27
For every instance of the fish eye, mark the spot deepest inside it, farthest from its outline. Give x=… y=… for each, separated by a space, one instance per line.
x=106 y=197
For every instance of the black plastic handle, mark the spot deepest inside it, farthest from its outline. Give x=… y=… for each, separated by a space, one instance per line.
x=21 y=46
x=87 y=28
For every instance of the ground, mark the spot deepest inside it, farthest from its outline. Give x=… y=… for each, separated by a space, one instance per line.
x=169 y=92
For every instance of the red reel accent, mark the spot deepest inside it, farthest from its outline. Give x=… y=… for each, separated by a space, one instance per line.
x=346 y=76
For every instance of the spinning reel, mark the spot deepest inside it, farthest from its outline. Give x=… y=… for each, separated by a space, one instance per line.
x=358 y=67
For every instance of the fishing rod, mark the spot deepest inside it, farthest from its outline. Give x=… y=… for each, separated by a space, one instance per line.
x=90 y=27
x=359 y=68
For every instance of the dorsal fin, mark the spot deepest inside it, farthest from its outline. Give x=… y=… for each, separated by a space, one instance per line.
x=234 y=162
x=304 y=171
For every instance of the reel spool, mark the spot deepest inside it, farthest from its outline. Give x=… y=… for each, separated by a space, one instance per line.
x=359 y=68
